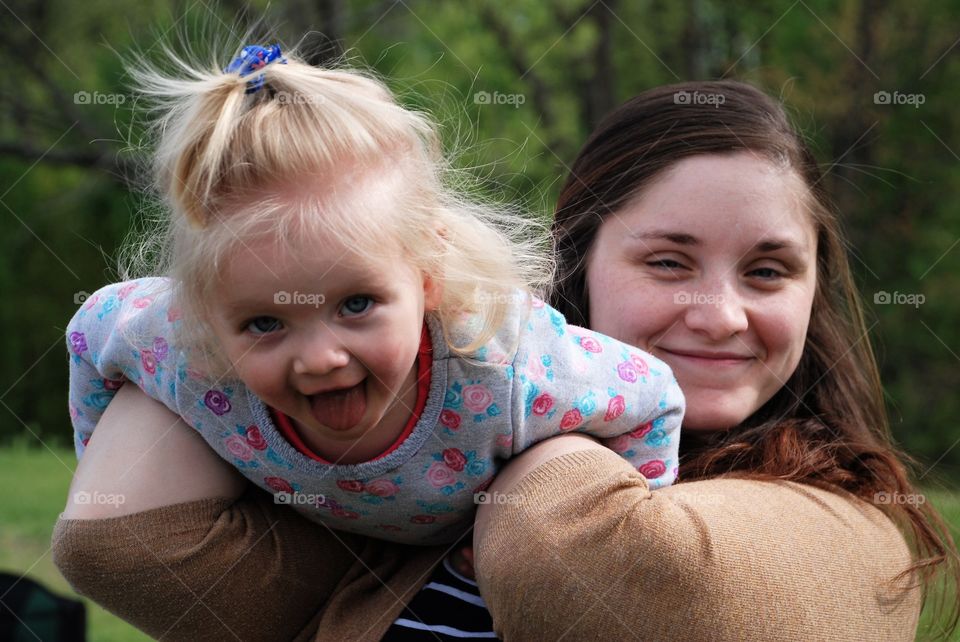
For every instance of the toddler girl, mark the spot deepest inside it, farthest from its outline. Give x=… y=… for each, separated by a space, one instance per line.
x=351 y=333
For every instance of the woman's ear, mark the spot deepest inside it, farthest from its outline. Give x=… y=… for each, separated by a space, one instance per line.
x=432 y=293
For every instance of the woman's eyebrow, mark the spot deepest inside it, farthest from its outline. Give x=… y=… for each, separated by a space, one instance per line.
x=774 y=244
x=680 y=238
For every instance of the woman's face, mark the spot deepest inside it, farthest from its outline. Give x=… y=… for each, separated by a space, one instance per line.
x=712 y=268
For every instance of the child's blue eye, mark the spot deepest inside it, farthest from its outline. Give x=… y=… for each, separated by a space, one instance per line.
x=264 y=325
x=356 y=305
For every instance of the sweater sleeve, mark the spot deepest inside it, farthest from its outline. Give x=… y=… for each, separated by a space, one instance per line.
x=125 y=332
x=588 y=552
x=569 y=378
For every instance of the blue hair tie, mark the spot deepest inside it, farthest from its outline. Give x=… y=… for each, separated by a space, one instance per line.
x=253 y=58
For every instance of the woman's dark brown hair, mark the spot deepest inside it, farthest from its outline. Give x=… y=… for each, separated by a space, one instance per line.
x=827 y=426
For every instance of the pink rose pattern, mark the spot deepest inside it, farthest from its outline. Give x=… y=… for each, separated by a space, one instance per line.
x=571 y=419
x=239 y=448
x=542 y=404
x=477 y=398
x=440 y=475
x=615 y=408
x=653 y=469
x=255 y=439
x=450 y=419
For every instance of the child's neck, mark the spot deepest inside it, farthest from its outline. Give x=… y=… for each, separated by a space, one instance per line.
x=376 y=440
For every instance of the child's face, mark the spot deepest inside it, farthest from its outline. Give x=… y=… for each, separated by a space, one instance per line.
x=325 y=337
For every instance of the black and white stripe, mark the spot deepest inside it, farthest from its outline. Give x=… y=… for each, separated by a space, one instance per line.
x=447 y=608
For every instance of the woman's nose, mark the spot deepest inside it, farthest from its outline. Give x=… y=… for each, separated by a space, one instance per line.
x=718 y=313
x=320 y=352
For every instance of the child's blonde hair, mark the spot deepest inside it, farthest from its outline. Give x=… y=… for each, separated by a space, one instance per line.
x=222 y=158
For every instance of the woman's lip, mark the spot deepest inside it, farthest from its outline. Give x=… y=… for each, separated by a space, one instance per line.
x=716 y=358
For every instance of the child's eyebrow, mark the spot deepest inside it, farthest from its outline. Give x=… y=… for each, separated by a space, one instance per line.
x=239 y=306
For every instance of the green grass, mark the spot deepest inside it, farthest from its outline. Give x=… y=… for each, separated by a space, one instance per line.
x=35 y=483
x=948 y=503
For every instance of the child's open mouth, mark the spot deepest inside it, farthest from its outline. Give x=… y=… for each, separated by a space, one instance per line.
x=340 y=409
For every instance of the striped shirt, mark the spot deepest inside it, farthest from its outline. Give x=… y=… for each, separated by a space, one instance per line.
x=447 y=608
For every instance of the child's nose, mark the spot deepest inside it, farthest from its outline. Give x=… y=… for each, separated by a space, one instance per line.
x=320 y=353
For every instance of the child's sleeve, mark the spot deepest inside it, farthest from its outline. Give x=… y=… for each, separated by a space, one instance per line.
x=568 y=378
x=124 y=332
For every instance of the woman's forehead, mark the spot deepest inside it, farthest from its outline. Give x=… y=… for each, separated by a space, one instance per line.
x=738 y=198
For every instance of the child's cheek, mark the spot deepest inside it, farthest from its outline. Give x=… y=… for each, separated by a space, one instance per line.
x=261 y=376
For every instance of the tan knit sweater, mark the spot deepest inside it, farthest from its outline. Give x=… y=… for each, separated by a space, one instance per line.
x=586 y=552
x=590 y=553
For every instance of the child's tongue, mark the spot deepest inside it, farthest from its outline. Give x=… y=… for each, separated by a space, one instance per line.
x=341 y=409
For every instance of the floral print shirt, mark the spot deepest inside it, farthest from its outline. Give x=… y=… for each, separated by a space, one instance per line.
x=536 y=378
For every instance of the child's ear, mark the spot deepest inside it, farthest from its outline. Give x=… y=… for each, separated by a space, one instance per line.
x=432 y=293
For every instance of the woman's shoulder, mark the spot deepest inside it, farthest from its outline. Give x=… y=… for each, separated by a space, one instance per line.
x=807 y=508
x=722 y=552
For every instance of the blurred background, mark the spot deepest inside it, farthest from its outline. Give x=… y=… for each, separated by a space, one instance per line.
x=517 y=87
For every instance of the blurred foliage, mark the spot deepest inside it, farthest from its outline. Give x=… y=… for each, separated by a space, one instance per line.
x=556 y=67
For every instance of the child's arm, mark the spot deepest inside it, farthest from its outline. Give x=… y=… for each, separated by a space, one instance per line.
x=568 y=378
x=120 y=334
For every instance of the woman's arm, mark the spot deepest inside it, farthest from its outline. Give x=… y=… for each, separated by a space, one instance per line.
x=580 y=548
x=143 y=456
x=525 y=463
x=164 y=534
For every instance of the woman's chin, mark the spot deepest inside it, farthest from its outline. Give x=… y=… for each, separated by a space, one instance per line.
x=715 y=420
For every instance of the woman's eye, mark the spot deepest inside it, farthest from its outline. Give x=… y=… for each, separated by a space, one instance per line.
x=765 y=273
x=264 y=325
x=356 y=305
x=667 y=264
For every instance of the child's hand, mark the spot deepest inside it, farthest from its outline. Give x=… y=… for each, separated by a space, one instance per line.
x=462 y=561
